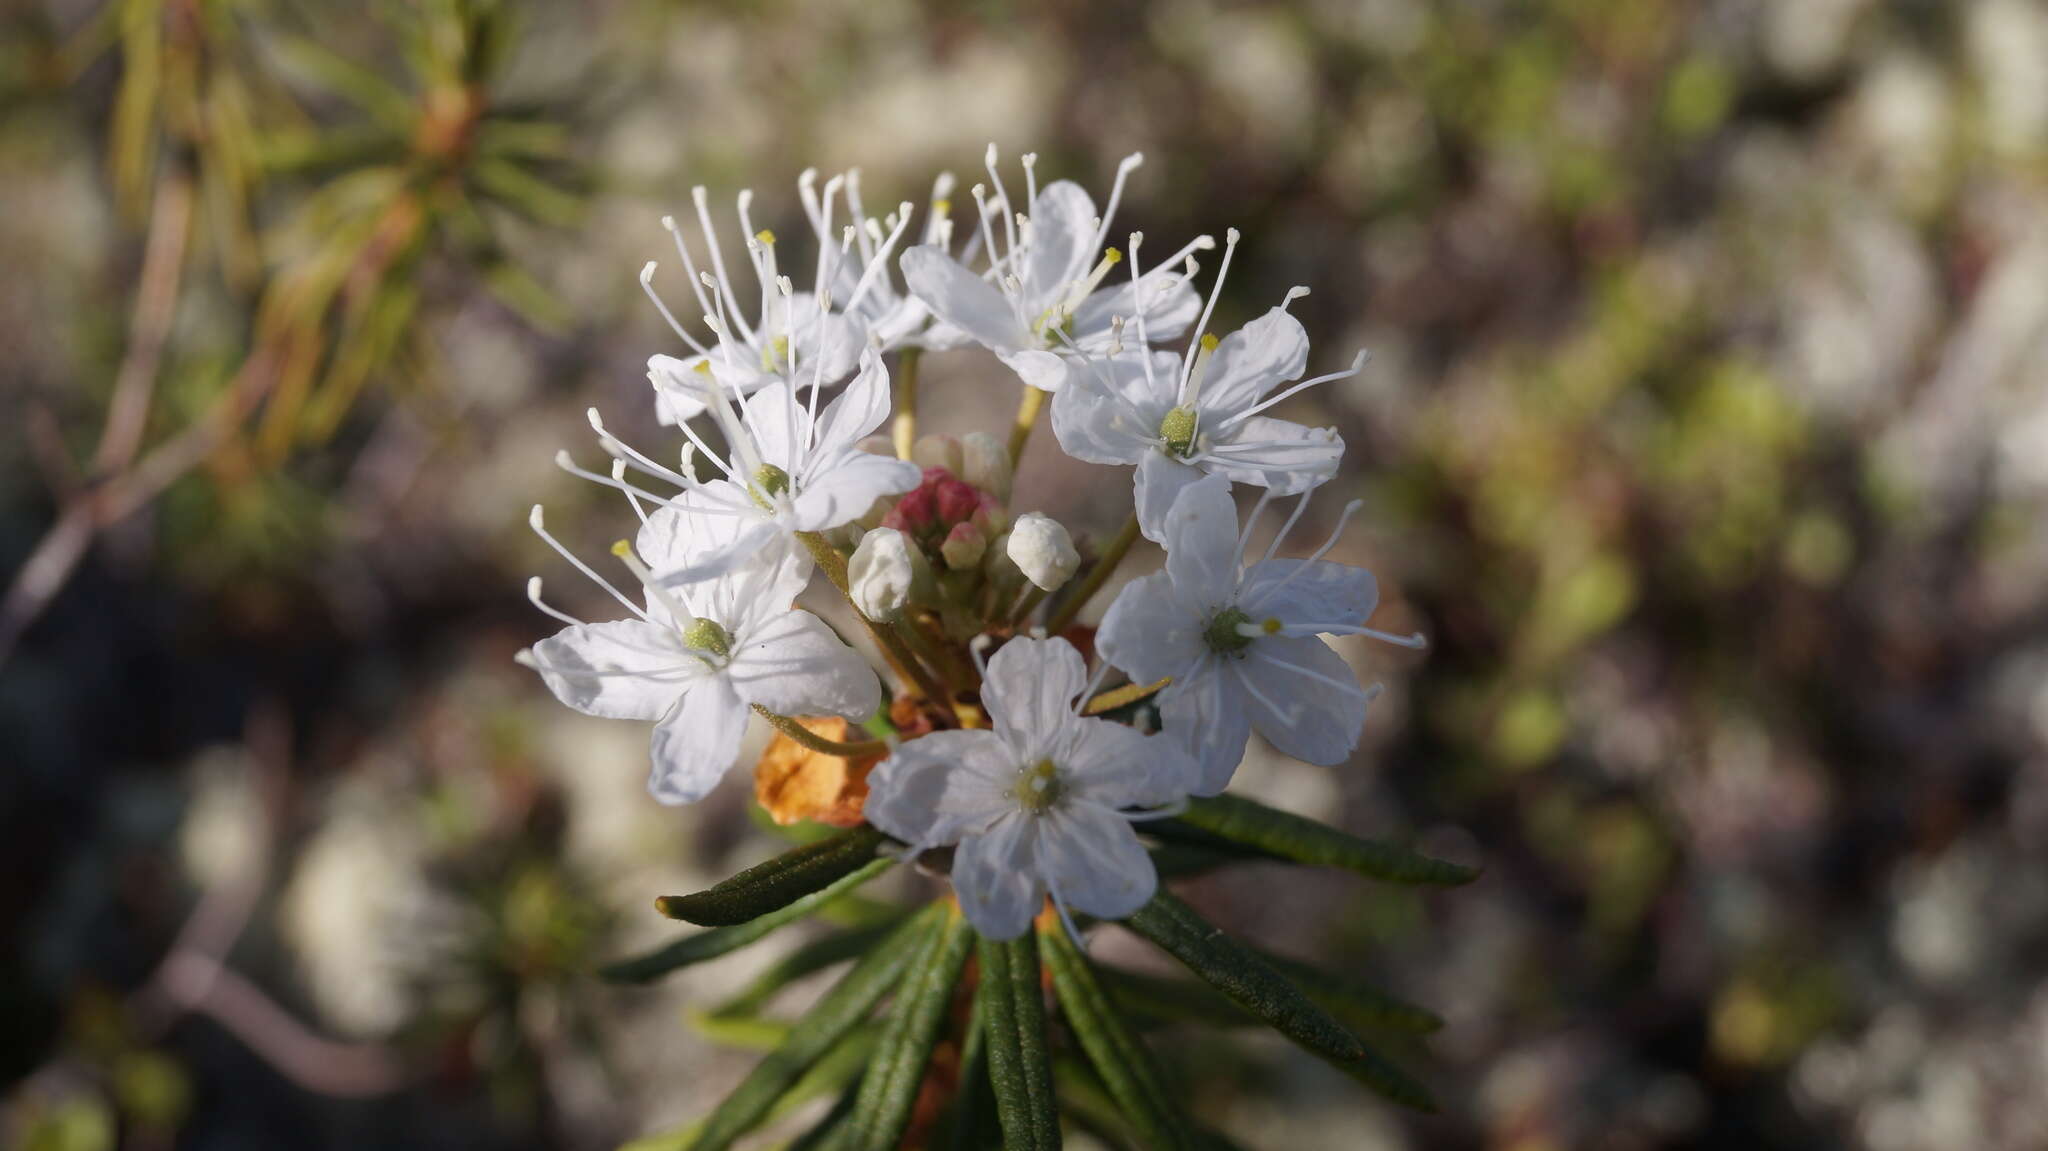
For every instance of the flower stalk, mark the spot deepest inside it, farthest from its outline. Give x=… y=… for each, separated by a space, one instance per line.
x=1097 y=576
x=858 y=749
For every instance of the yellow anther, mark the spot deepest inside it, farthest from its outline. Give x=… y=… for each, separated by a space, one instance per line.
x=1271 y=626
x=622 y=549
x=1111 y=255
x=765 y=236
x=1209 y=341
x=703 y=367
x=941 y=207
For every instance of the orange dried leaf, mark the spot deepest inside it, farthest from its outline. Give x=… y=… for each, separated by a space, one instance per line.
x=794 y=783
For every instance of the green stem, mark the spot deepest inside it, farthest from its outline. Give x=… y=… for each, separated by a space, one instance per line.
x=862 y=749
x=1097 y=576
x=1027 y=417
x=905 y=427
x=1033 y=596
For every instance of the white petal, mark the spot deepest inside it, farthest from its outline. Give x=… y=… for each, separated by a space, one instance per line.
x=995 y=879
x=962 y=298
x=1250 y=361
x=1206 y=714
x=1062 y=229
x=1318 y=721
x=794 y=665
x=781 y=423
x=1278 y=454
x=696 y=745
x=624 y=669
x=938 y=787
x=726 y=555
x=680 y=390
x=1118 y=766
x=1042 y=370
x=842 y=491
x=760 y=586
x=1147 y=632
x=1171 y=304
x=1029 y=691
x=1093 y=861
x=1160 y=480
x=857 y=411
x=1326 y=593
x=1201 y=543
x=1109 y=412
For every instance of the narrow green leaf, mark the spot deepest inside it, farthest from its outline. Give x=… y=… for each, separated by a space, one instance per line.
x=1233 y=969
x=1178 y=860
x=1293 y=837
x=814 y=956
x=1013 y=1009
x=719 y=940
x=1382 y=1076
x=1174 y=1000
x=1125 y=1065
x=770 y=886
x=836 y=1014
x=881 y=1112
x=1091 y=1107
x=1354 y=1000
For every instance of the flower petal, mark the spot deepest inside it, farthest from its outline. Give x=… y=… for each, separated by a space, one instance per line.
x=1171 y=304
x=1092 y=860
x=995 y=879
x=857 y=411
x=623 y=669
x=1321 y=708
x=1207 y=714
x=1201 y=543
x=1148 y=633
x=1062 y=229
x=1159 y=483
x=962 y=299
x=1250 y=361
x=1325 y=593
x=792 y=664
x=1029 y=691
x=1118 y=766
x=1109 y=412
x=843 y=490
x=696 y=745
x=1278 y=454
x=939 y=787
x=1042 y=370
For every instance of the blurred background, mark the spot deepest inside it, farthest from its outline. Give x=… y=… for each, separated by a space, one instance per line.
x=1706 y=435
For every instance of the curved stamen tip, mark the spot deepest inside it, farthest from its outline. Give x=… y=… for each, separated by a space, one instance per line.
x=1136 y=238
x=1358 y=361
x=647 y=273
x=1131 y=161
x=1230 y=236
x=745 y=199
x=1204 y=242
x=701 y=196
x=533 y=588
x=619 y=467
x=524 y=657
x=596 y=420
x=783 y=285
x=989 y=157
x=562 y=460
x=807 y=178
x=1030 y=159
x=668 y=223
x=536 y=518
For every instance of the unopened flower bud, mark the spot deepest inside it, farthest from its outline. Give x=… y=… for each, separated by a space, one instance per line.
x=1043 y=550
x=936 y=452
x=985 y=463
x=881 y=573
x=963 y=547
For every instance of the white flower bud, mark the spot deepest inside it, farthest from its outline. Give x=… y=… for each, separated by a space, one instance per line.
x=1043 y=550
x=880 y=574
x=936 y=452
x=985 y=463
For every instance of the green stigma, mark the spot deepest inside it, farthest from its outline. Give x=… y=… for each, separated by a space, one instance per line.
x=776 y=353
x=1038 y=787
x=1178 y=430
x=1222 y=635
x=770 y=480
x=706 y=636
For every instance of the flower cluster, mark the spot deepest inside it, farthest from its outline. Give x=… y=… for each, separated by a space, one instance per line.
x=993 y=758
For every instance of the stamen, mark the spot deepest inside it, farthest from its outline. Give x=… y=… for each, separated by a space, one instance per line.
x=647 y=285
x=533 y=596
x=624 y=550
x=1124 y=169
x=1294 y=293
x=1188 y=365
x=1336 y=533
x=1358 y=363
x=537 y=521
x=1300 y=505
x=1348 y=687
x=619 y=478
x=703 y=202
x=995 y=179
x=690 y=272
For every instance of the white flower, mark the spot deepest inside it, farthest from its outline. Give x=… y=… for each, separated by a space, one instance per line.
x=1181 y=418
x=881 y=573
x=789 y=468
x=1241 y=642
x=694 y=659
x=1038 y=806
x=794 y=338
x=1043 y=551
x=1041 y=299
x=861 y=279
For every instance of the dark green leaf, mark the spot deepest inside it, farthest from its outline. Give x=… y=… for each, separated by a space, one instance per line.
x=1354 y=1000
x=823 y=1026
x=881 y=1113
x=1237 y=972
x=1125 y=1065
x=1293 y=837
x=1382 y=1076
x=771 y=886
x=1013 y=1009
x=816 y=955
x=719 y=940
x=1174 y=1000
